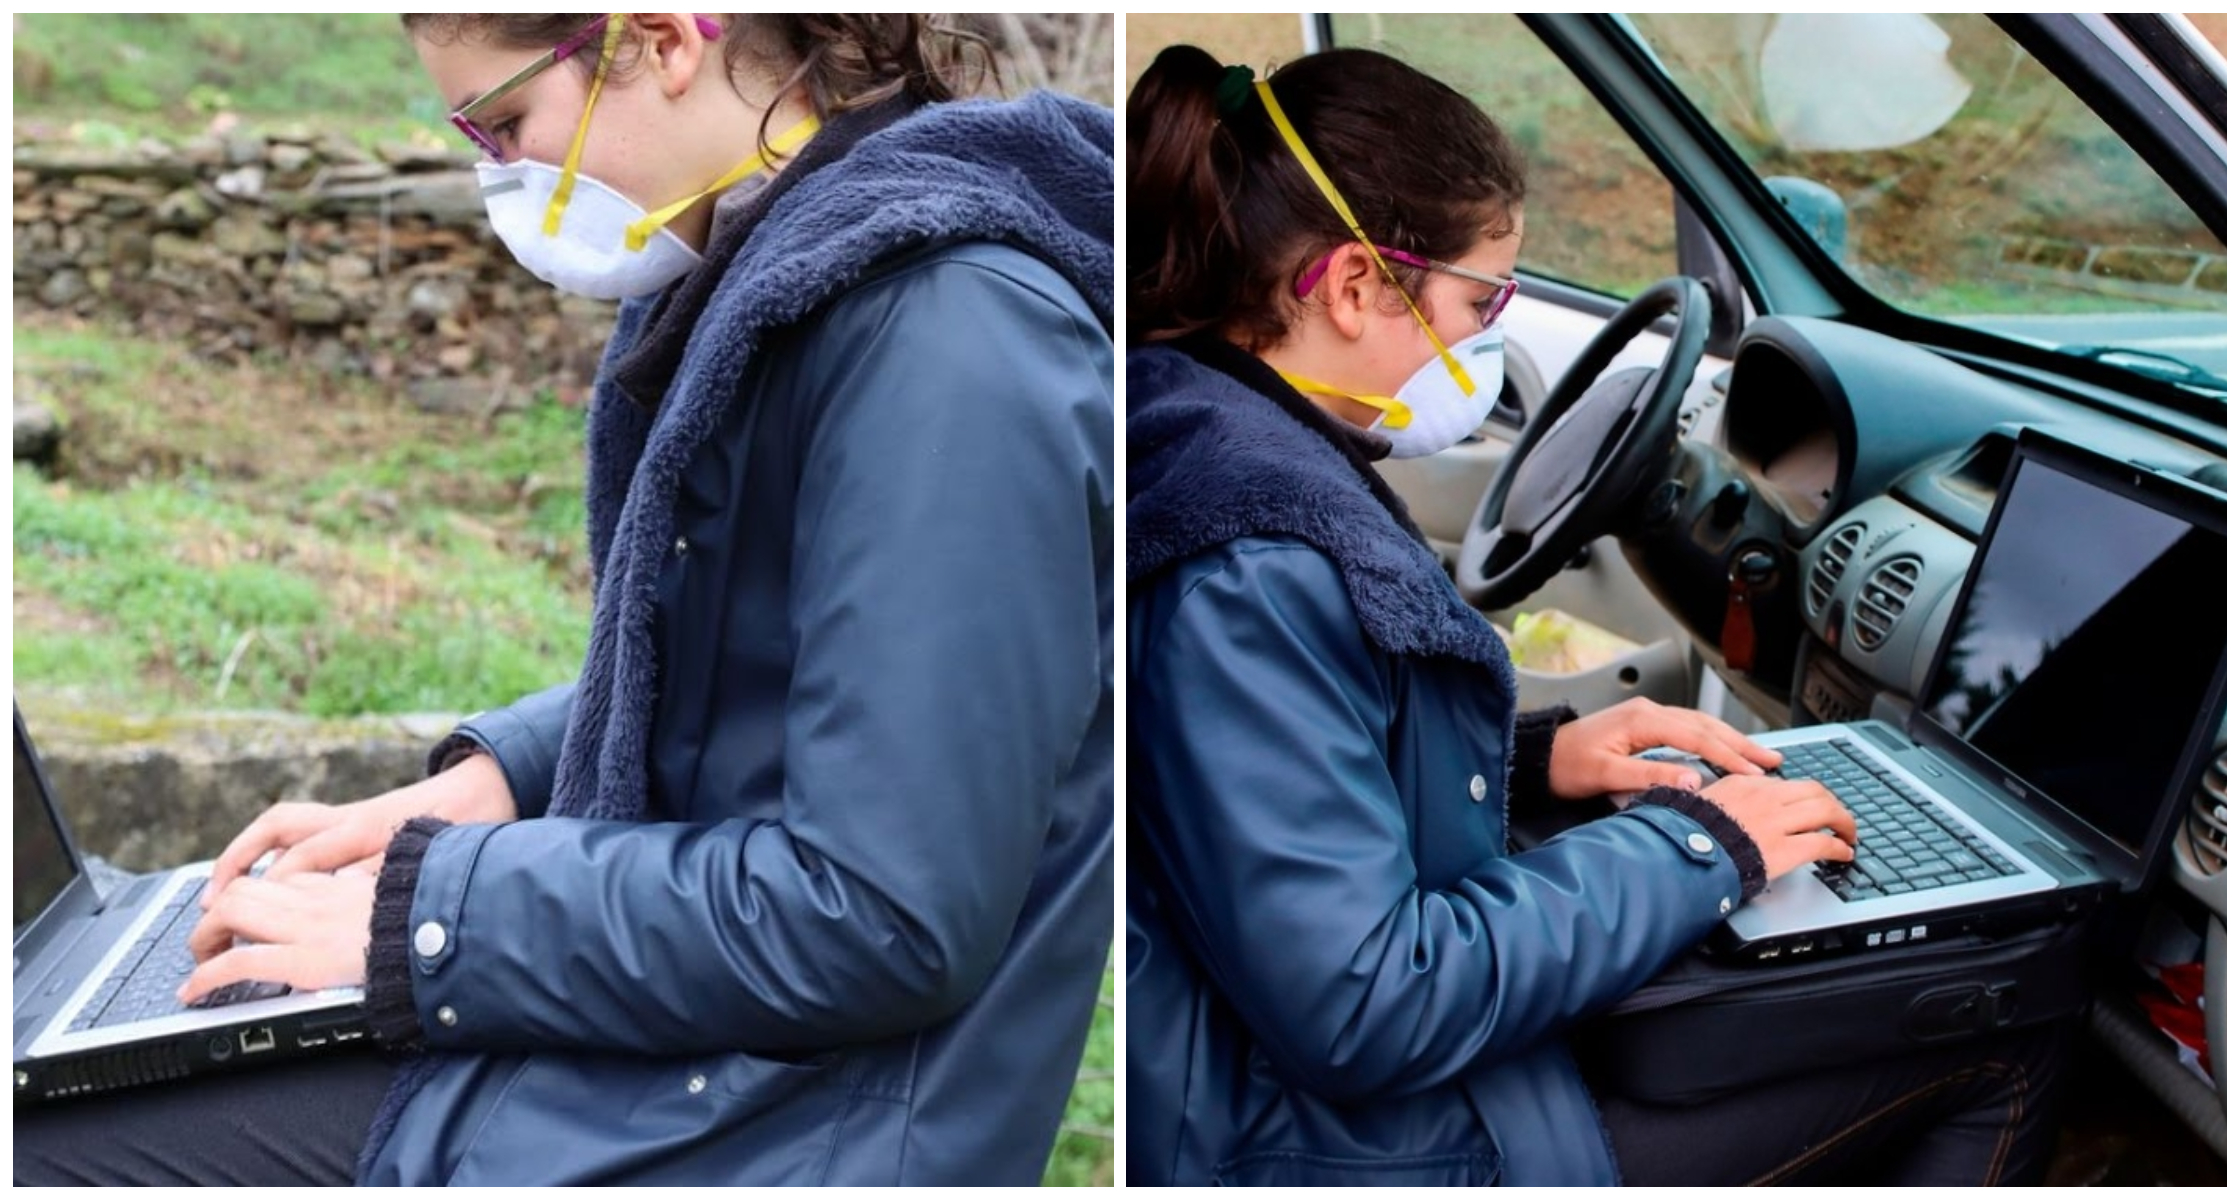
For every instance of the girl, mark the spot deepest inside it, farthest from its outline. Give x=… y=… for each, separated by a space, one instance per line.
x=806 y=877
x=1337 y=971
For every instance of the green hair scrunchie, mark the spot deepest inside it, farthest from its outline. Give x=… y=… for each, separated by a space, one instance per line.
x=1235 y=91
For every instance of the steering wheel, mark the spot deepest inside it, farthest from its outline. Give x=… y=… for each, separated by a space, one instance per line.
x=1587 y=453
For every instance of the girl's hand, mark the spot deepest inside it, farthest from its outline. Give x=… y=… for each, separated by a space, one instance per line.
x=1793 y=821
x=1594 y=755
x=318 y=838
x=308 y=931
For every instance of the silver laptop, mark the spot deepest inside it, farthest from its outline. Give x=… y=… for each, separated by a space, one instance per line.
x=96 y=975
x=2075 y=699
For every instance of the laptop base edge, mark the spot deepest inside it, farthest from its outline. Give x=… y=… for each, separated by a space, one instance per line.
x=1995 y=920
x=159 y=1060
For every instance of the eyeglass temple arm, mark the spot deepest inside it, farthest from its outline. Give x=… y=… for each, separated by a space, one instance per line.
x=707 y=25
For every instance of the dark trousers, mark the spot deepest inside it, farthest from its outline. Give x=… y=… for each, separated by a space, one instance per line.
x=1979 y=1113
x=291 y=1123
x=1976 y=1114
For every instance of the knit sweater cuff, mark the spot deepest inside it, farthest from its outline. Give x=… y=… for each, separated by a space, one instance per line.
x=389 y=1008
x=1535 y=746
x=1721 y=827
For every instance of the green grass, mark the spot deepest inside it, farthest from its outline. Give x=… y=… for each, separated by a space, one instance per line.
x=267 y=537
x=1083 y=1157
x=177 y=71
x=213 y=603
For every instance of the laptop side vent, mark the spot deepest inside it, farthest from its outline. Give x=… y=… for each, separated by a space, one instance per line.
x=129 y=1067
x=1883 y=599
x=1827 y=570
x=2204 y=842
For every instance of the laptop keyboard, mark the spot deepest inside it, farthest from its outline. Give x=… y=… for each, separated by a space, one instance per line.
x=1906 y=844
x=145 y=982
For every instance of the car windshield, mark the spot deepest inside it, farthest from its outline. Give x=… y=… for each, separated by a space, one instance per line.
x=1951 y=175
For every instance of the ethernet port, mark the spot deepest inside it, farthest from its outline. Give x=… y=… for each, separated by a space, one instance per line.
x=258 y=1040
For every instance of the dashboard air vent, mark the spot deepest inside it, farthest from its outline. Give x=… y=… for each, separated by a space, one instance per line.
x=1827 y=569
x=2204 y=841
x=1883 y=599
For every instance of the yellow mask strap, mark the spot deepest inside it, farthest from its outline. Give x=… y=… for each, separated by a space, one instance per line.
x=636 y=235
x=1329 y=191
x=1396 y=414
x=567 y=185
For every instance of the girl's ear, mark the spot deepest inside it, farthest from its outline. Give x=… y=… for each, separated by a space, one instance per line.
x=673 y=49
x=1349 y=289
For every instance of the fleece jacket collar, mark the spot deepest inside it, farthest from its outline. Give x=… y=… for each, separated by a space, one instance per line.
x=1220 y=448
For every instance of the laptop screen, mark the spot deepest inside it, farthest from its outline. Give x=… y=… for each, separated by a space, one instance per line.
x=43 y=863
x=2081 y=658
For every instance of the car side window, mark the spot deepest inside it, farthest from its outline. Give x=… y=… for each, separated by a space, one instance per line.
x=1598 y=214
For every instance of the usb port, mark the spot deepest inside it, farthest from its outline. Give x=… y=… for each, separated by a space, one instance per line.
x=308 y=1040
x=258 y=1040
x=349 y=1035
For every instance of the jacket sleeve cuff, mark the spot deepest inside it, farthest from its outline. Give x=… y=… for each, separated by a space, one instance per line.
x=1747 y=861
x=524 y=738
x=1534 y=746
x=389 y=1008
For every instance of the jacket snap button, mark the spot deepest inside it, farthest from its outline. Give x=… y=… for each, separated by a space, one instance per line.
x=683 y=545
x=447 y=1016
x=1699 y=843
x=1726 y=905
x=697 y=1084
x=1477 y=789
x=429 y=940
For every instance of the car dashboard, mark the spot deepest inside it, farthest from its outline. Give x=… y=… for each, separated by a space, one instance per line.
x=1873 y=465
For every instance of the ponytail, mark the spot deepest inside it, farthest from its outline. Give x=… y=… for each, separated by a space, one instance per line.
x=1185 y=260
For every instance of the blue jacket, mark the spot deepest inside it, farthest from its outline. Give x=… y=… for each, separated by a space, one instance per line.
x=817 y=887
x=1336 y=970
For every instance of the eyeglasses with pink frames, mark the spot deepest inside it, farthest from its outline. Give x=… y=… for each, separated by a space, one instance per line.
x=463 y=119
x=1489 y=308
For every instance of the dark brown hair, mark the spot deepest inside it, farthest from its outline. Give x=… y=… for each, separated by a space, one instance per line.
x=1222 y=219
x=840 y=61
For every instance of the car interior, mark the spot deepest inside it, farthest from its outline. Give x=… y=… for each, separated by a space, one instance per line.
x=1793 y=287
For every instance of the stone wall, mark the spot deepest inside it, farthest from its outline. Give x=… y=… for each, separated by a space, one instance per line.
x=373 y=263
x=147 y=793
